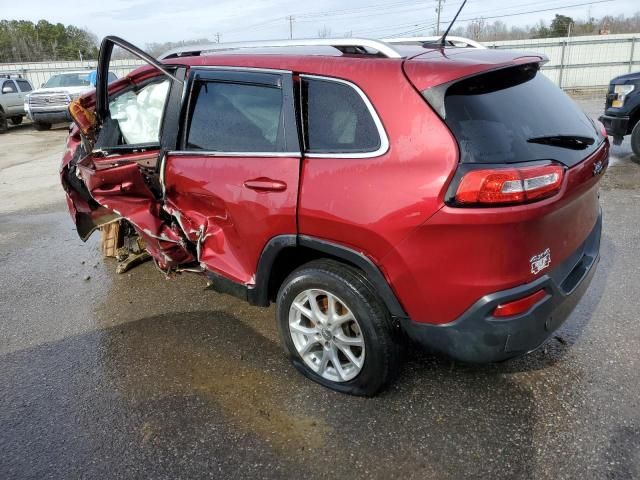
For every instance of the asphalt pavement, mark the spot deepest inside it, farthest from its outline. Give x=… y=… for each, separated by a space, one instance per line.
x=138 y=376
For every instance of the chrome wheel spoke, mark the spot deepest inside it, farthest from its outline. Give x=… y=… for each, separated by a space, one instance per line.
x=307 y=331
x=324 y=361
x=342 y=339
x=335 y=361
x=308 y=346
x=340 y=320
x=316 y=312
x=303 y=310
x=350 y=355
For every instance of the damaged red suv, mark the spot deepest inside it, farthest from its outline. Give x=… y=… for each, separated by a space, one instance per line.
x=371 y=191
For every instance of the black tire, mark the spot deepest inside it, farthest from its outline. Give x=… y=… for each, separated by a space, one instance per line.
x=382 y=347
x=3 y=123
x=635 y=139
x=16 y=120
x=41 y=127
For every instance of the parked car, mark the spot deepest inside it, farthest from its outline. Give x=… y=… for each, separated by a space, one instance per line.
x=369 y=190
x=622 y=110
x=50 y=103
x=13 y=89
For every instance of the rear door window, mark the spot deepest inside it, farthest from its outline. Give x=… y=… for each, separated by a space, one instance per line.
x=24 y=85
x=235 y=117
x=517 y=115
x=336 y=118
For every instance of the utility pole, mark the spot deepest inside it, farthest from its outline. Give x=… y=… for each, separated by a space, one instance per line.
x=290 y=18
x=438 y=10
x=218 y=37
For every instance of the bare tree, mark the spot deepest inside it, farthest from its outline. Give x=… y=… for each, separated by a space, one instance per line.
x=324 y=32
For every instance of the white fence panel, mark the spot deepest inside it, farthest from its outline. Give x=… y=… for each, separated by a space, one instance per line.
x=587 y=62
x=39 y=72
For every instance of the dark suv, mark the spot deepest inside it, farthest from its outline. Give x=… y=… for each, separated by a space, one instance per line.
x=622 y=110
x=372 y=191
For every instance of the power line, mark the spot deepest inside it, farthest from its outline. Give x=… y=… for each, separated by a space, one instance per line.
x=419 y=27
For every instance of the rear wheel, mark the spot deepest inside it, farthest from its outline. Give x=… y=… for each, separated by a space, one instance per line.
x=635 y=139
x=3 y=123
x=40 y=126
x=16 y=120
x=335 y=329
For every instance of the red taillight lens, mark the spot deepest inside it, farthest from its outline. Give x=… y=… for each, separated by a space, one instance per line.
x=509 y=185
x=519 y=306
x=603 y=130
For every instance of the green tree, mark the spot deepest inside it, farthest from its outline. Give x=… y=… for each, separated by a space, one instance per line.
x=24 y=41
x=560 y=26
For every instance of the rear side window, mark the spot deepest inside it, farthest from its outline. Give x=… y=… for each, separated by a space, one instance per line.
x=336 y=119
x=234 y=117
x=517 y=115
x=10 y=86
x=24 y=85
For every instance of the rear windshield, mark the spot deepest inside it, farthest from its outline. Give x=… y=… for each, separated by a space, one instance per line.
x=517 y=115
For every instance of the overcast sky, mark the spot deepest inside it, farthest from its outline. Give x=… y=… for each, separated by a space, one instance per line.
x=145 y=21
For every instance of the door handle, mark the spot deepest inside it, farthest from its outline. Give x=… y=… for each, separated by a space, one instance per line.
x=264 y=184
x=123 y=187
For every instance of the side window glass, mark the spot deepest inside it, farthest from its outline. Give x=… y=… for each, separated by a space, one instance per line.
x=24 y=85
x=336 y=119
x=9 y=87
x=233 y=117
x=138 y=113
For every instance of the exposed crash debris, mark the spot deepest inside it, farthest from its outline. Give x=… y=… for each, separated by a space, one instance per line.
x=120 y=240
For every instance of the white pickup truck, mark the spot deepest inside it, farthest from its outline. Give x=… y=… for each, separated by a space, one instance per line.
x=50 y=103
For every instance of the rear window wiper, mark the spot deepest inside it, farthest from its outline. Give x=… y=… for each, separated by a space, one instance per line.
x=574 y=142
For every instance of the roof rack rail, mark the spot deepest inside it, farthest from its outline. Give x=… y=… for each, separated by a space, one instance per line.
x=345 y=45
x=11 y=74
x=451 y=40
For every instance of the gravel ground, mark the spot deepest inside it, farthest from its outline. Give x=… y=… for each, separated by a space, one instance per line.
x=127 y=376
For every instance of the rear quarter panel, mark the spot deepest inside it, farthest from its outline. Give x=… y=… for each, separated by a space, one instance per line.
x=371 y=204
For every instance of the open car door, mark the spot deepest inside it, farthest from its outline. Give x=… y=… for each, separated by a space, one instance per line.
x=217 y=195
x=113 y=172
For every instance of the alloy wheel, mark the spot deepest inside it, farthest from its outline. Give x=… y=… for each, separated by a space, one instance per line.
x=326 y=335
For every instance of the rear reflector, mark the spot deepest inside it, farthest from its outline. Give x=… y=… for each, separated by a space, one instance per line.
x=519 y=306
x=509 y=185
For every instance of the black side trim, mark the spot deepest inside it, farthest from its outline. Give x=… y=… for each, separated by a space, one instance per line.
x=259 y=295
x=372 y=272
x=223 y=285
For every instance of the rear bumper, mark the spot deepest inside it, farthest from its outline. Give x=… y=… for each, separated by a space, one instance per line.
x=478 y=337
x=615 y=126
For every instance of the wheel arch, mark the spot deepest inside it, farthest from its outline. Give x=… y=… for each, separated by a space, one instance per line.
x=634 y=118
x=284 y=253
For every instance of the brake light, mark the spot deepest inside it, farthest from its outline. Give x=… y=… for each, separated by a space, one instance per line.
x=603 y=130
x=509 y=185
x=519 y=306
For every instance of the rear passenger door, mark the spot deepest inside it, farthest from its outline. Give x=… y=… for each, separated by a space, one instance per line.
x=233 y=182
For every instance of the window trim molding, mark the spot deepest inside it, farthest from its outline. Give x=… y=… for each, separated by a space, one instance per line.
x=384 y=139
x=212 y=153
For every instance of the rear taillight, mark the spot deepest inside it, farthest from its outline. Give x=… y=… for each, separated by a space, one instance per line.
x=509 y=185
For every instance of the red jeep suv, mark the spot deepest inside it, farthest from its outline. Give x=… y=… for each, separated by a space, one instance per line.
x=372 y=191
